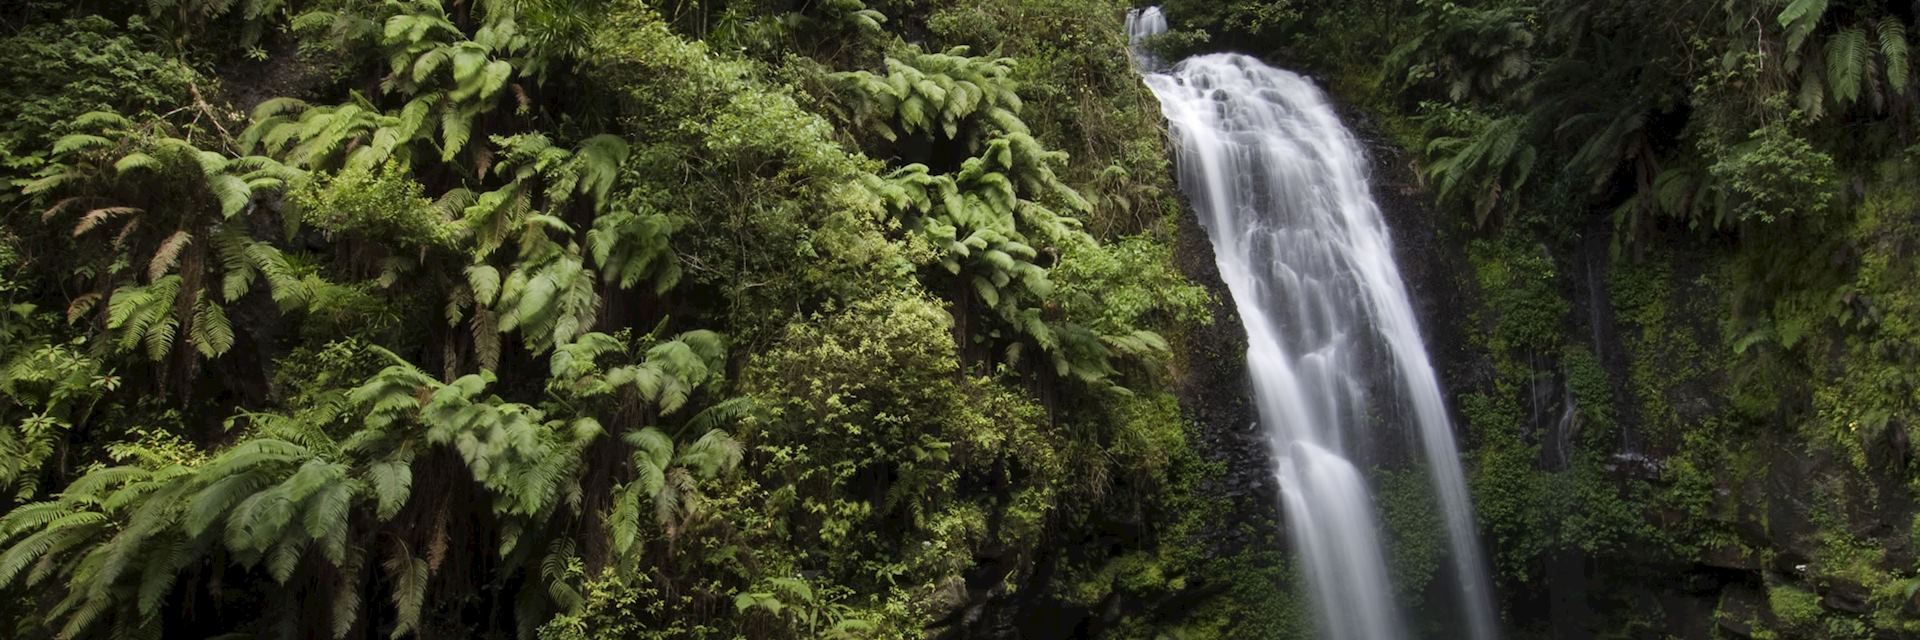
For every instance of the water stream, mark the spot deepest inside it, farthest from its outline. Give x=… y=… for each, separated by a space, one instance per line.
x=1335 y=353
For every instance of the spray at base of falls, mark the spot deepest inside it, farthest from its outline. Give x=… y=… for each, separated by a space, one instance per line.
x=1282 y=189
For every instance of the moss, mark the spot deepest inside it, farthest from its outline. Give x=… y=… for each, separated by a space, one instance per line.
x=1525 y=312
x=1797 y=609
x=1263 y=597
x=1416 y=533
x=1592 y=394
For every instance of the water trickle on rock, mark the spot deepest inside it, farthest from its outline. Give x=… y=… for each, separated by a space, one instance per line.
x=1333 y=345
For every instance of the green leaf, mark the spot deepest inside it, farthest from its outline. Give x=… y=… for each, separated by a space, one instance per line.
x=75 y=142
x=212 y=333
x=136 y=160
x=233 y=193
x=392 y=486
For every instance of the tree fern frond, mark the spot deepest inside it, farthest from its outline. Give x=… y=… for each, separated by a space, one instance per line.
x=212 y=333
x=392 y=483
x=77 y=142
x=1894 y=48
x=96 y=217
x=1847 y=60
x=168 y=255
x=1800 y=17
x=409 y=578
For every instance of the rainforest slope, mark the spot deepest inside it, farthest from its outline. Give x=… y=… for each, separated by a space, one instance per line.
x=606 y=319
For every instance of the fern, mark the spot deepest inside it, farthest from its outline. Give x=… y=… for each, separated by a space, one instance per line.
x=1893 y=47
x=168 y=255
x=1848 y=58
x=144 y=315
x=1800 y=17
x=409 y=577
x=212 y=334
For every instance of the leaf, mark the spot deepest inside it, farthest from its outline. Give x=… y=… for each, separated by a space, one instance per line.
x=168 y=255
x=1893 y=45
x=233 y=193
x=82 y=304
x=136 y=160
x=325 y=519
x=97 y=216
x=163 y=565
x=101 y=119
x=485 y=282
x=409 y=576
x=212 y=333
x=75 y=142
x=1802 y=14
x=496 y=76
x=392 y=486
x=455 y=129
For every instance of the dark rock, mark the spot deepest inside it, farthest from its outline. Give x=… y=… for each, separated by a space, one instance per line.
x=1729 y=556
x=1848 y=596
x=1740 y=607
x=1217 y=399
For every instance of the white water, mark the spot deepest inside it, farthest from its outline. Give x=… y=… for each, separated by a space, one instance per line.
x=1334 y=348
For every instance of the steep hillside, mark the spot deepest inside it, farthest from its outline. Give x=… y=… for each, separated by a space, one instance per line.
x=609 y=319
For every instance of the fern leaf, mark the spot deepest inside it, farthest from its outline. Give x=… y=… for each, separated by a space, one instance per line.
x=485 y=282
x=409 y=576
x=212 y=333
x=392 y=486
x=163 y=564
x=97 y=216
x=326 y=519
x=135 y=161
x=455 y=129
x=1847 y=60
x=233 y=193
x=101 y=120
x=1894 y=47
x=168 y=255
x=79 y=141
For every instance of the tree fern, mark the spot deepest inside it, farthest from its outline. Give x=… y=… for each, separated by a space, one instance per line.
x=1848 y=57
x=409 y=577
x=631 y=247
x=1800 y=18
x=1892 y=35
x=211 y=333
x=144 y=315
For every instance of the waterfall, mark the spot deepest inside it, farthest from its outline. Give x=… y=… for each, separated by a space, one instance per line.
x=1143 y=24
x=1333 y=345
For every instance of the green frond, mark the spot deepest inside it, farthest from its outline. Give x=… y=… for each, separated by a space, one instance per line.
x=409 y=579
x=1847 y=60
x=79 y=142
x=212 y=333
x=392 y=483
x=1893 y=47
x=1800 y=17
x=232 y=192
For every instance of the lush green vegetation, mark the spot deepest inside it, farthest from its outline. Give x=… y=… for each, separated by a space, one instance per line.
x=595 y=318
x=1690 y=225
x=771 y=319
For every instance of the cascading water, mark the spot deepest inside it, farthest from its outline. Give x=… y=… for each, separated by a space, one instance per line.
x=1333 y=345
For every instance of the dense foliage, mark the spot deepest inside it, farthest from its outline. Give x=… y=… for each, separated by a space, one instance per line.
x=588 y=318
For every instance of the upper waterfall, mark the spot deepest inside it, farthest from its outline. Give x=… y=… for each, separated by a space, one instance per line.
x=1141 y=24
x=1334 y=347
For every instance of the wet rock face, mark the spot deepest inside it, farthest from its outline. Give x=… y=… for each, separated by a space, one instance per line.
x=1721 y=590
x=1433 y=268
x=1217 y=400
